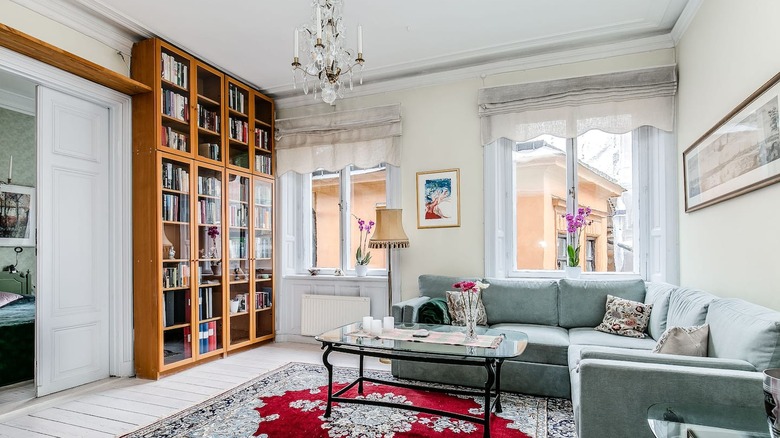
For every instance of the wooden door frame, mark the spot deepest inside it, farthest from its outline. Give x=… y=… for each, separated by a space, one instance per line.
x=120 y=181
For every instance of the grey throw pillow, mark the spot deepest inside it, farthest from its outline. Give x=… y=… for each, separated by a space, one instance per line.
x=457 y=308
x=685 y=341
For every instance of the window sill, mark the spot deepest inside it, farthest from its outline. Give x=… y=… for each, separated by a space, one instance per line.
x=346 y=278
x=558 y=275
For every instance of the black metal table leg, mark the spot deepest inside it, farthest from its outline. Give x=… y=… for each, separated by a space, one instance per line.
x=329 y=366
x=489 y=364
x=498 y=386
x=360 y=385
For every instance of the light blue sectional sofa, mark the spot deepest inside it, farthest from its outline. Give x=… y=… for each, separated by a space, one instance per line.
x=611 y=379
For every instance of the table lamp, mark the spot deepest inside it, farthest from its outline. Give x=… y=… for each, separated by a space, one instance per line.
x=389 y=233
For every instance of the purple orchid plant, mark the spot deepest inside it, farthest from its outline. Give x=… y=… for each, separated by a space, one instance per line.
x=574 y=226
x=362 y=255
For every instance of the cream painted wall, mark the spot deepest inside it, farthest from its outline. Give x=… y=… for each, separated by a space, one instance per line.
x=729 y=51
x=56 y=34
x=441 y=131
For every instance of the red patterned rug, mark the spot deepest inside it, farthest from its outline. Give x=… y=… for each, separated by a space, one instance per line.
x=291 y=401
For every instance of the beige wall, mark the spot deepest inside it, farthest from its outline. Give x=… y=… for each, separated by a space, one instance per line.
x=441 y=131
x=729 y=50
x=32 y=23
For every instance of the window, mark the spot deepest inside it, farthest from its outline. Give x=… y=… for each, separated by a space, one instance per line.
x=561 y=251
x=590 y=254
x=336 y=199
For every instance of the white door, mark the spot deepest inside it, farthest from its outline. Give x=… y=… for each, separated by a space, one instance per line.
x=72 y=324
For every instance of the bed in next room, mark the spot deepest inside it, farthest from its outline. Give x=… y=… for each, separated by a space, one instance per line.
x=17 y=328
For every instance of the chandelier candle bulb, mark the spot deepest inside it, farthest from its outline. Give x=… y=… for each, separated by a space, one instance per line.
x=319 y=24
x=367 y=320
x=296 y=43
x=360 y=39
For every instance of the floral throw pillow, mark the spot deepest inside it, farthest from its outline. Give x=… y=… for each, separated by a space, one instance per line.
x=625 y=317
x=457 y=308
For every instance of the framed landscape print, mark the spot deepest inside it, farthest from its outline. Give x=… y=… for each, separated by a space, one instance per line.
x=438 y=199
x=741 y=153
x=17 y=215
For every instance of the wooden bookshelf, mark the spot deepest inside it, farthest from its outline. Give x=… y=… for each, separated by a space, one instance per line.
x=185 y=219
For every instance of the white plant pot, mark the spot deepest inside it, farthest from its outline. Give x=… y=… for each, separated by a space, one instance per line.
x=361 y=270
x=573 y=271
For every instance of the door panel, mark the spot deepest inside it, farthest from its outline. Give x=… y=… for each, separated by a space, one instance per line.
x=72 y=326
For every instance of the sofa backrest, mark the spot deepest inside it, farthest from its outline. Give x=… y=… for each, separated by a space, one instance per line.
x=658 y=295
x=743 y=330
x=688 y=307
x=582 y=303
x=436 y=286
x=521 y=301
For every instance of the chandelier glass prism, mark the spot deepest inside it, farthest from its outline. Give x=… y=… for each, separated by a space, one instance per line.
x=329 y=64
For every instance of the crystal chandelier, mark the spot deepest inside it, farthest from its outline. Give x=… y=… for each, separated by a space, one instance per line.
x=329 y=62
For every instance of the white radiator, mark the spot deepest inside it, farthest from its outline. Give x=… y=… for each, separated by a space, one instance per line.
x=320 y=313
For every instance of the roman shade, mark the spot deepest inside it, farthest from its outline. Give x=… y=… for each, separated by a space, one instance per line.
x=363 y=137
x=614 y=103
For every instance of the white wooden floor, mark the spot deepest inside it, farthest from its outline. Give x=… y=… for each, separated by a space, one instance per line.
x=117 y=406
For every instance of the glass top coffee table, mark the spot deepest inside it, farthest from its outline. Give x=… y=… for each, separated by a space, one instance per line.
x=671 y=420
x=444 y=344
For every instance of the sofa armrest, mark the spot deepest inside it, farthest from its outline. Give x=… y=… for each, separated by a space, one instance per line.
x=668 y=359
x=611 y=397
x=406 y=311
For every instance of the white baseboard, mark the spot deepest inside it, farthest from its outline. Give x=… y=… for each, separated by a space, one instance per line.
x=296 y=338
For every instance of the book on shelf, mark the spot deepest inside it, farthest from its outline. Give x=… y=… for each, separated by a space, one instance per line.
x=173 y=139
x=238 y=191
x=175 y=178
x=262 y=217
x=212 y=335
x=239 y=215
x=176 y=307
x=208 y=119
x=263 y=299
x=178 y=276
x=187 y=342
x=175 y=207
x=237 y=248
x=261 y=138
x=209 y=186
x=206 y=303
x=236 y=99
x=209 y=211
x=175 y=105
x=209 y=150
x=263 y=163
x=263 y=247
x=174 y=71
x=239 y=130
x=207 y=336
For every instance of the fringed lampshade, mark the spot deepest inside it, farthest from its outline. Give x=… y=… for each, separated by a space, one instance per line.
x=389 y=233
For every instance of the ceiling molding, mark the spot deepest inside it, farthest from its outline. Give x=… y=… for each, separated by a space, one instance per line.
x=89 y=21
x=17 y=102
x=287 y=97
x=686 y=17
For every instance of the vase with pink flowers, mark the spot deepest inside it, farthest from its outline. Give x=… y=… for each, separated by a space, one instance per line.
x=574 y=225
x=362 y=254
x=470 y=296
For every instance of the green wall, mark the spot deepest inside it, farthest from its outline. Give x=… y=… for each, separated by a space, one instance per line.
x=17 y=138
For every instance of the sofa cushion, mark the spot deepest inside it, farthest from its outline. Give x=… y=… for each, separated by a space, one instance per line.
x=742 y=330
x=625 y=317
x=581 y=303
x=658 y=295
x=521 y=301
x=546 y=344
x=436 y=286
x=688 y=307
x=589 y=336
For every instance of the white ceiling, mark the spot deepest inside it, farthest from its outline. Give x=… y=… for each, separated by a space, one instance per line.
x=252 y=39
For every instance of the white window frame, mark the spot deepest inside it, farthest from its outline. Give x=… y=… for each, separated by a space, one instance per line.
x=296 y=191
x=655 y=186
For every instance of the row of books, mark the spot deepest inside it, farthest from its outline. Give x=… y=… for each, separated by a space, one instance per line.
x=263 y=247
x=208 y=119
x=237 y=248
x=263 y=217
x=236 y=99
x=175 y=177
x=263 y=194
x=238 y=191
x=209 y=212
x=175 y=208
x=207 y=337
x=263 y=163
x=209 y=186
x=263 y=299
x=209 y=150
x=174 y=71
x=206 y=303
x=239 y=215
x=176 y=307
x=261 y=138
x=177 y=276
x=238 y=130
x=175 y=105
x=173 y=139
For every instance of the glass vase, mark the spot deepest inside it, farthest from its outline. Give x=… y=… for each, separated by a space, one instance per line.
x=471 y=321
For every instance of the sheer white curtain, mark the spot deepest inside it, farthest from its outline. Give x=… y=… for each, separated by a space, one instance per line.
x=364 y=138
x=614 y=103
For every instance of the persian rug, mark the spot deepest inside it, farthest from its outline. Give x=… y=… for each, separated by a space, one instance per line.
x=291 y=401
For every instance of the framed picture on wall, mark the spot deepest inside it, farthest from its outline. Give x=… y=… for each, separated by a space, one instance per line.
x=438 y=198
x=17 y=215
x=741 y=153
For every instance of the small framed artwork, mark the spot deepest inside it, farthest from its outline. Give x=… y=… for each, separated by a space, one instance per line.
x=17 y=215
x=438 y=199
x=741 y=153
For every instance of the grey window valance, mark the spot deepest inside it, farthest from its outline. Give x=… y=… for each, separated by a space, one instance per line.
x=615 y=102
x=364 y=137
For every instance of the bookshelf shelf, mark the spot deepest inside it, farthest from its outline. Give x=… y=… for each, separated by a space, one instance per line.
x=264 y=309
x=202 y=123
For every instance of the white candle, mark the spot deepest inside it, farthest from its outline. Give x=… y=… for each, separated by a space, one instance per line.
x=296 y=42
x=376 y=327
x=319 y=23
x=11 y=168
x=360 y=39
x=388 y=323
x=367 y=323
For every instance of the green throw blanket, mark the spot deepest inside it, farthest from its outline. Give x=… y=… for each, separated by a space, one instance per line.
x=434 y=311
